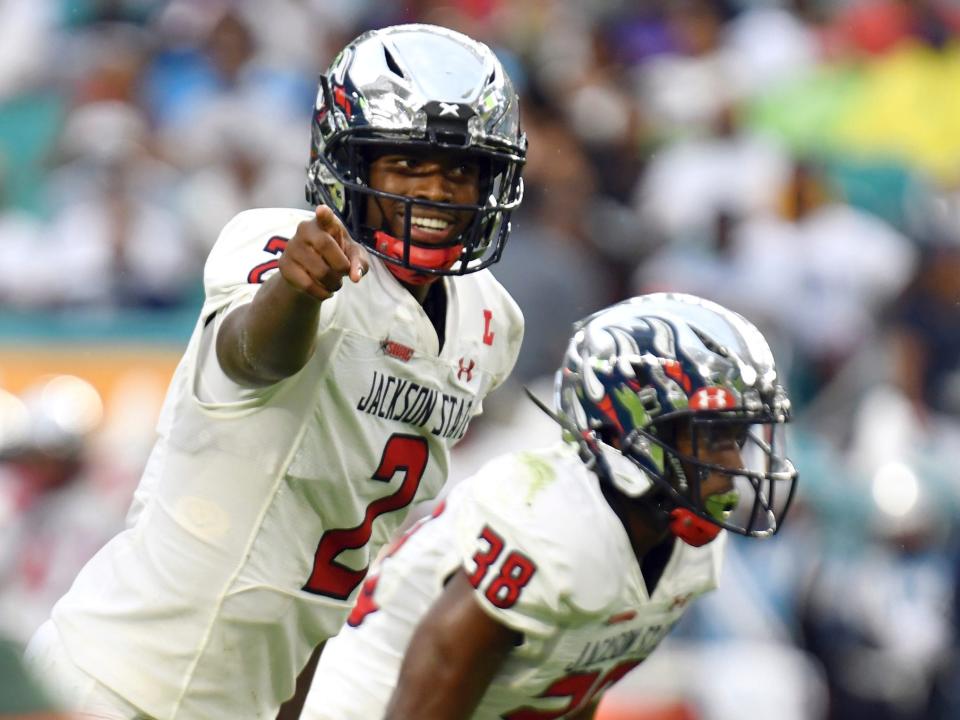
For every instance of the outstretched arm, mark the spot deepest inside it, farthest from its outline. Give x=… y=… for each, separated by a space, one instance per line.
x=456 y=650
x=273 y=337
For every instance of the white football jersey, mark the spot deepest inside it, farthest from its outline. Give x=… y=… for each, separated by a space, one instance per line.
x=549 y=558
x=260 y=510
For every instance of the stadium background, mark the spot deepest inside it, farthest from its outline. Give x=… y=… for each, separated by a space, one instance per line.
x=799 y=162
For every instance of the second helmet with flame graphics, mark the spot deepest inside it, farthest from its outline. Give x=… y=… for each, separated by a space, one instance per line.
x=634 y=371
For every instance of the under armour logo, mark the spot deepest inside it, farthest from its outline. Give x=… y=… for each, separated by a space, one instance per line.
x=466 y=370
x=449 y=109
x=712 y=398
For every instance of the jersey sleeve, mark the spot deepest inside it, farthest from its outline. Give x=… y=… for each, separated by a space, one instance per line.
x=526 y=554
x=245 y=255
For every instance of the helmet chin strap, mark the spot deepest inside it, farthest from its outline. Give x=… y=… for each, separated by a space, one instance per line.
x=691 y=528
x=634 y=483
x=435 y=258
x=631 y=481
x=686 y=524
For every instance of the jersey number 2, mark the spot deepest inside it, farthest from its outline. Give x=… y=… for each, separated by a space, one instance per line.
x=406 y=453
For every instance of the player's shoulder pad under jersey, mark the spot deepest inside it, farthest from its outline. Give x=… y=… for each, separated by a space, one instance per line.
x=487 y=287
x=547 y=505
x=491 y=287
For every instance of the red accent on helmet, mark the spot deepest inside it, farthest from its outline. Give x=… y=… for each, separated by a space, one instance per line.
x=435 y=258
x=606 y=407
x=340 y=98
x=712 y=398
x=674 y=370
x=691 y=528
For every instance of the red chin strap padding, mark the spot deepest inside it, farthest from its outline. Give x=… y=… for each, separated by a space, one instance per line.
x=691 y=528
x=439 y=258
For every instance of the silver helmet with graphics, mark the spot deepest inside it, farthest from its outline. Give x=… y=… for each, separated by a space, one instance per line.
x=639 y=374
x=418 y=88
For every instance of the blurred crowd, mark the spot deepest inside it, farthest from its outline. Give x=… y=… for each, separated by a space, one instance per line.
x=796 y=161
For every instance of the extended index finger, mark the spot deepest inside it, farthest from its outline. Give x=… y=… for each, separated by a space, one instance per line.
x=328 y=221
x=355 y=253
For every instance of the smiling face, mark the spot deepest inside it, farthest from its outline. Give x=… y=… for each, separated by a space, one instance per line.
x=433 y=176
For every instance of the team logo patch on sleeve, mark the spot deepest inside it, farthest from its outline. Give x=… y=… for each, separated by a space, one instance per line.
x=396 y=350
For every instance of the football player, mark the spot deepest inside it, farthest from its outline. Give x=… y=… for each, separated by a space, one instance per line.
x=339 y=354
x=549 y=575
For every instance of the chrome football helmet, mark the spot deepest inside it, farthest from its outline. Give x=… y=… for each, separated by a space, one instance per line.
x=418 y=87
x=634 y=372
